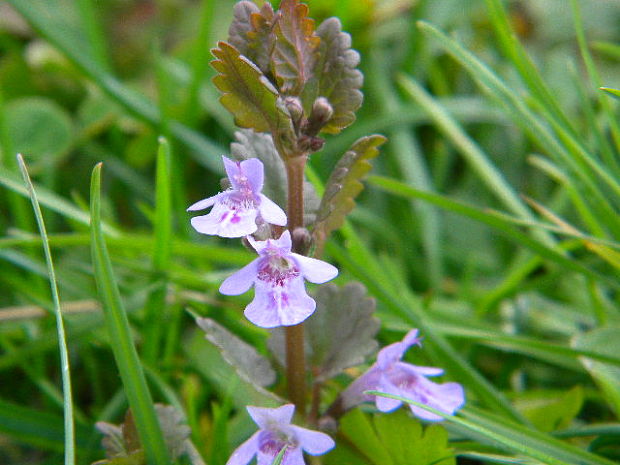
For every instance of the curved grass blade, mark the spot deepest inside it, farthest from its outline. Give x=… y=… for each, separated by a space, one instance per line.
x=480 y=163
x=60 y=328
x=493 y=219
x=117 y=324
x=561 y=145
x=512 y=436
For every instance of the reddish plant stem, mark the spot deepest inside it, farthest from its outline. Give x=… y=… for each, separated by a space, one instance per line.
x=295 y=355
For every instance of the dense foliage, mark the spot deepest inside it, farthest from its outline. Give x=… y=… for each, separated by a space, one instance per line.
x=489 y=221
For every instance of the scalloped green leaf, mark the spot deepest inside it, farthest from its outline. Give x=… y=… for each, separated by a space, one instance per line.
x=344 y=185
x=244 y=358
x=247 y=93
x=251 y=32
x=550 y=410
x=295 y=49
x=396 y=439
x=335 y=76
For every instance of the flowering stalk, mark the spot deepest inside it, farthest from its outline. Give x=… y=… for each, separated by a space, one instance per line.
x=295 y=355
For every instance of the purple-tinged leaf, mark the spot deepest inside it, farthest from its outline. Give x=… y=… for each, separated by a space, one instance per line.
x=344 y=185
x=122 y=444
x=295 y=50
x=335 y=76
x=249 y=364
x=242 y=25
x=251 y=32
x=250 y=144
x=247 y=93
x=341 y=332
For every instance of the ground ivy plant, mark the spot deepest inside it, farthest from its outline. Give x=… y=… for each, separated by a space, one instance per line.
x=289 y=82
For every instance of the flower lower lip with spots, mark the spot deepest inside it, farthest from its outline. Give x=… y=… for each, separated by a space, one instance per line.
x=277 y=432
x=278 y=278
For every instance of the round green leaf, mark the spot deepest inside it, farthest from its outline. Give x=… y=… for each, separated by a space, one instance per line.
x=38 y=127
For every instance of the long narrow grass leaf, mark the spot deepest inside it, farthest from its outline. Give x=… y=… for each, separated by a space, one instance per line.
x=60 y=328
x=156 y=301
x=117 y=324
x=480 y=163
x=493 y=219
x=512 y=436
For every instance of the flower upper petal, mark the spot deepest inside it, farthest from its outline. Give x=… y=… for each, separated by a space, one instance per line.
x=268 y=418
x=419 y=370
x=271 y=211
x=245 y=452
x=313 y=442
x=284 y=243
x=254 y=171
x=240 y=281
x=315 y=271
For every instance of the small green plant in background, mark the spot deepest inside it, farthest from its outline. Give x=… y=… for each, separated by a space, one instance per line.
x=498 y=112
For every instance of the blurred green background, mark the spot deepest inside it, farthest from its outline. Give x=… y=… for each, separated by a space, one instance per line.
x=518 y=293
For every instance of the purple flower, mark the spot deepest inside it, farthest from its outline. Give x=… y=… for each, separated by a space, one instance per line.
x=392 y=376
x=237 y=211
x=278 y=277
x=276 y=432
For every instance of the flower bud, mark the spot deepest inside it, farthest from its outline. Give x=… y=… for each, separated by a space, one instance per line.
x=302 y=240
x=293 y=105
x=321 y=113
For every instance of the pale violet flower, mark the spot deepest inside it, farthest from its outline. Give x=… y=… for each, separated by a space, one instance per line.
x=275 y=433
x=278 y=278
x=237 y=211
x=392 y=376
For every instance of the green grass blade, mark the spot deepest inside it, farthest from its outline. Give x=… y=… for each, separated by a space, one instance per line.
x=526 y=68
x=117 y=324
x=580 y=162
x=60 y=328
x=404 y=148
x=512 y=436
x=44 y=19
x=612 y=92
x=156 y=301
x=493 y=219
x=96 y=35
x=480 y=163
x=50 y=200
x=595 y=77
